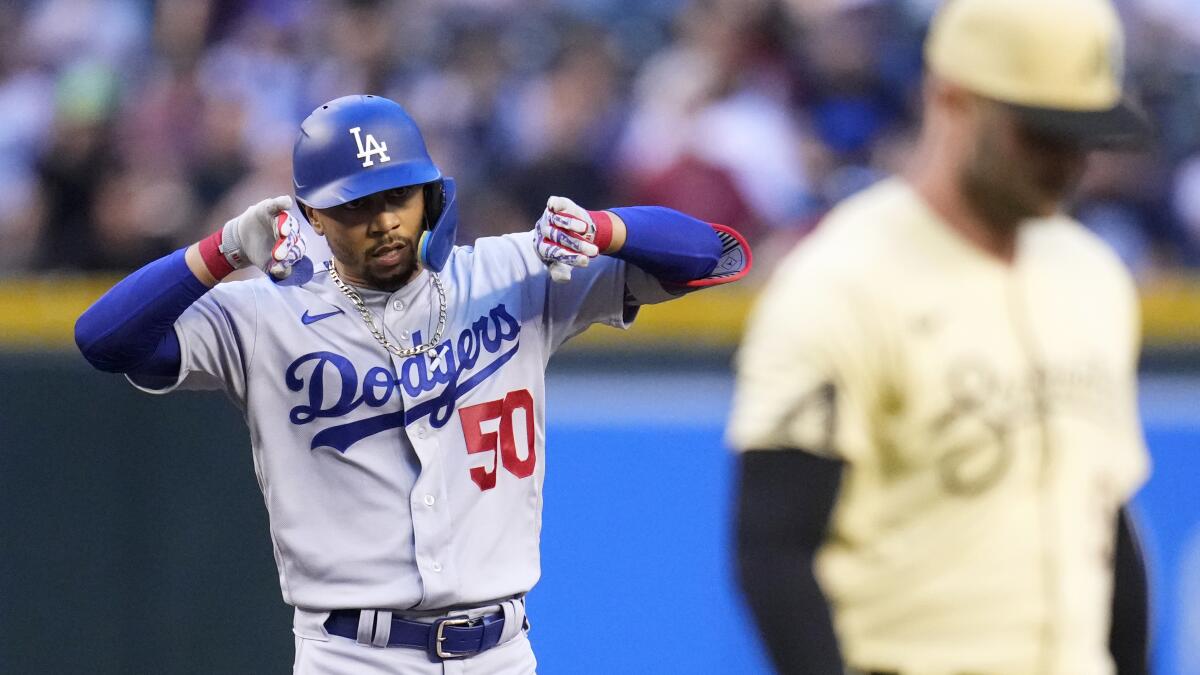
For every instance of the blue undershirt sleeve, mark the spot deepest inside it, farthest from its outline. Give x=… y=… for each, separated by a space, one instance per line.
x=161 y=369
x=130 y=328
x=672 y=246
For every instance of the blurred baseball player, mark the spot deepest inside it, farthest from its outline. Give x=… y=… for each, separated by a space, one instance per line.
x=935 y=405
x=394 y=394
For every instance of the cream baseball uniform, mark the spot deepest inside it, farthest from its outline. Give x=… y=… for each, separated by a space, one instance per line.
x=987 y=417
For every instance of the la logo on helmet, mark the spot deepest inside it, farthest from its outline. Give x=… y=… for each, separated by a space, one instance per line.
x=372 y=147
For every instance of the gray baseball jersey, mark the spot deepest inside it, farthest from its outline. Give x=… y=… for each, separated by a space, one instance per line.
x=402 y=482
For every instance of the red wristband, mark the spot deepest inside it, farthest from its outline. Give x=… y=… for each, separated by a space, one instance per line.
x=210 y=252
x=604 y=228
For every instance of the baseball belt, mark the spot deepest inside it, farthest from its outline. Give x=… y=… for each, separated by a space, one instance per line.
x=883 y=672
x=449 y=637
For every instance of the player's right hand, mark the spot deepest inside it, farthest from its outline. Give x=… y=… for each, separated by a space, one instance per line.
x=265 y=236
x=563 y=237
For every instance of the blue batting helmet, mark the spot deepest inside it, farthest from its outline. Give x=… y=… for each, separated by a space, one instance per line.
x=355 y=146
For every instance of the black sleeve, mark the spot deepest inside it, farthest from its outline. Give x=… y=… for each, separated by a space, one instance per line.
x=1129 y=635
x=785 y=501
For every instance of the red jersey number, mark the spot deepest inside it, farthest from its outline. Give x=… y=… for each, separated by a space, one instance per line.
x=502 y=442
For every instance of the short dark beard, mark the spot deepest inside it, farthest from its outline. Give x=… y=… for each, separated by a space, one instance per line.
x=401 y=274
x=992 y=198
x=988 y=199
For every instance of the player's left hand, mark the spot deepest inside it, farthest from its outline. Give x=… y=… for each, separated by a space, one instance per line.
x=564 y=237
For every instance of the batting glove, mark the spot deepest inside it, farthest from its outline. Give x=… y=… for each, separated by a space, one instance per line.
x=565 y=237
x=265 y=236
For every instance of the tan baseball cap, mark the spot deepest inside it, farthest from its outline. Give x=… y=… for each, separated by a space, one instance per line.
x=1059 y=63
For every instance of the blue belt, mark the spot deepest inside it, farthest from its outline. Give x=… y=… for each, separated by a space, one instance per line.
x=450 y=637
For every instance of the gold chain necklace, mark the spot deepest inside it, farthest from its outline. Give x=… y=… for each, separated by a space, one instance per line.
x=365 y=313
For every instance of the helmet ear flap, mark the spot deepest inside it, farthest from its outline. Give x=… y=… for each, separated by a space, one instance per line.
x=435 y=201
x=441 y=217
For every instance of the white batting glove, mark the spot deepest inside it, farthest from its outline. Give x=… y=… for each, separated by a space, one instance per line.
x=564 y=237
x=265 y=236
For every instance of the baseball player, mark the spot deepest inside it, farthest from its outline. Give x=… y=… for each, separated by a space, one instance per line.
x=395 y=393
x=935 y=405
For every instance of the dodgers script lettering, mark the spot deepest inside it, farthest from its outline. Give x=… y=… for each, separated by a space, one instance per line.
x=324 y=375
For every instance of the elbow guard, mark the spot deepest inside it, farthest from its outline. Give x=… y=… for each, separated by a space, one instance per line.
x=681 y=250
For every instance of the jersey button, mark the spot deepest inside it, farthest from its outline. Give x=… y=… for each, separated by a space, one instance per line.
x=428 y=500
x=436 y=567
x=398 y=305
x=404 y=335
x=421 y=431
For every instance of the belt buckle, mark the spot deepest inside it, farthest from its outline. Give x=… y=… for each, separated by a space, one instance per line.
x=437 y=636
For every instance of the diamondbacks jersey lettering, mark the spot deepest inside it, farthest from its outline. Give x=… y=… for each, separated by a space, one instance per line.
x=402 y=482
x=987 y=417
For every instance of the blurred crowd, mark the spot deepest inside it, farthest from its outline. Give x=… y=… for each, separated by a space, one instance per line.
x=129 y=128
